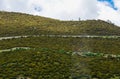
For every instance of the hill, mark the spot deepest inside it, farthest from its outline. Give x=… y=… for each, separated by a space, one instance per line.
x=52 y=57
x=12 y=24
x=35 y=64
x=55 y=58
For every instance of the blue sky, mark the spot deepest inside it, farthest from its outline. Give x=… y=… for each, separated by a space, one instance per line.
x=110 y=3
x=66 y=9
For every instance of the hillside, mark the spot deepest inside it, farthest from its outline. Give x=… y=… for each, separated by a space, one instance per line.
x=12 y=24
x=54 y=58
x=43 y=48
x=35 y=64
x=99 y=45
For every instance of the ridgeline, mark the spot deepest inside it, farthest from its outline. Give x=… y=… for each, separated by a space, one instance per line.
x=12 y=24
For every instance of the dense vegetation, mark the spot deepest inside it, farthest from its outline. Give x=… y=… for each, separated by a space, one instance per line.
x=57 y=57
x=54 y=50
x=23 y=24
x=96 y=45
x=105 y=68
x=35 y=64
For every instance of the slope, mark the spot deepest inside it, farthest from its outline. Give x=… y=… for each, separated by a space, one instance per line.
x=12 y=24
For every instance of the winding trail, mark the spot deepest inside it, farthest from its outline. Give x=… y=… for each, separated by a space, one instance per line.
x=83 y=54
x=15 y=48
x=64 y=36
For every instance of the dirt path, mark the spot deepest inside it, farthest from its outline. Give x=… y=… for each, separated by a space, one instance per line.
x=65 y=36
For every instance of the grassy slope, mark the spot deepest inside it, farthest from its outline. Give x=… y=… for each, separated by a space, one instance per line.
x=51 y=62
x=36 y=64
x=24 y=24
x=96 y=45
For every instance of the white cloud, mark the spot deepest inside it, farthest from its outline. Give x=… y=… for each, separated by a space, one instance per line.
x=61 y=9
x=65 y=9
x=108 y=13
x=68 y=9
x=117 y=4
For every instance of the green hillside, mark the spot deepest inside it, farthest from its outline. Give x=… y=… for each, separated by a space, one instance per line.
x=97 y=45
x=23 y=24
x=40 y=50
x=35 y=64
x=54 y=58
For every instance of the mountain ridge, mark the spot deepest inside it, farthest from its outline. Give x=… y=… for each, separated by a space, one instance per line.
x=12 y=23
